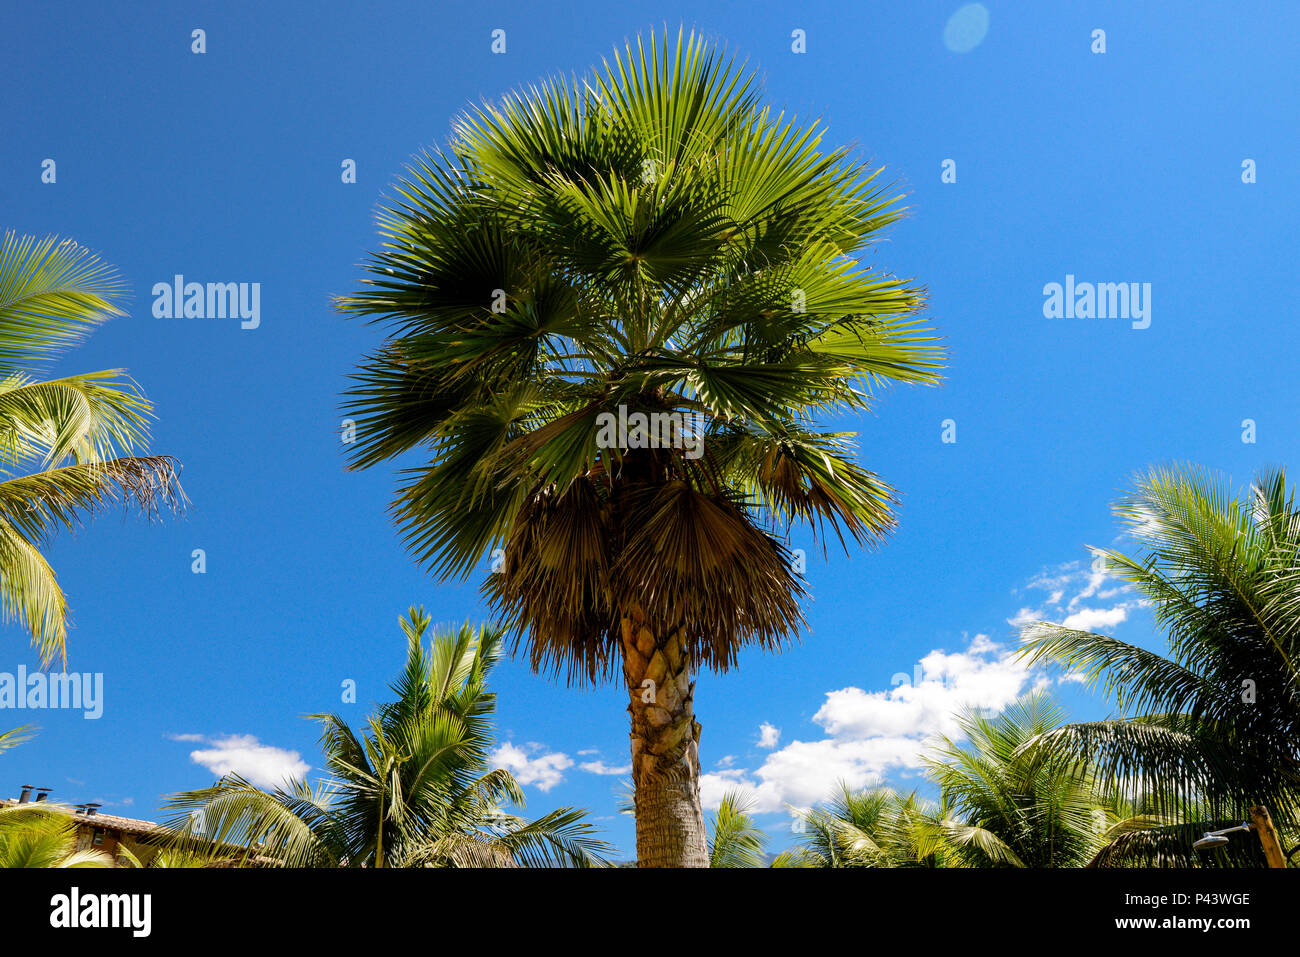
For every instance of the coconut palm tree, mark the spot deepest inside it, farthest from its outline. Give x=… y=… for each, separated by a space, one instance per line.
x=173 y=858
x=872 y=827
x=734 y=839
x=40 y=835
x=43 y=835
x=1213 y=725
x=619 y=311
x=411 y=790
x=71 y=446
x=1005 y=803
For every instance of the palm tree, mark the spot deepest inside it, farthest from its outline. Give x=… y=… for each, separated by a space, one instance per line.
x=1215 y=724
x=618 y=309
x=1005 y=803
x=43 y=835
x=872 y=827
x=69 y=447
x=173 y=858
x=735 y=840
x=40 y=835
x=412 y=790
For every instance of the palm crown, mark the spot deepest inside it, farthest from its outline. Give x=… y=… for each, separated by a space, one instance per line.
x=1214 y=724
x=666 y=244
x=1005 y=802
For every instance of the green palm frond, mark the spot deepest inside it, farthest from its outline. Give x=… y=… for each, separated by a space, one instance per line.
x=1008 y=801
x=291 y=825
x=53 y=293
x=33 y=507
x=30 y=593
x=871 y=827
x=734 y=839
x=68 y=446
x=63 y=497
x=44 y=836
x=15 y=736
x=91 y=417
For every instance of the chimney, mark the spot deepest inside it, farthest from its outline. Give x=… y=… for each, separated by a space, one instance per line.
x=26 y=795
x=92 y=809
x=42 y=794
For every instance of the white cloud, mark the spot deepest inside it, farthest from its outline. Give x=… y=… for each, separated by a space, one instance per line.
x=1142 y=524
x=1090 y=619
x=871 y=736
x=1081 y=584
x=185 y=737
x=1025 y=615
x=1096 y=578
x=871 y=733
x=262 y=764
x=532 y=764
x=600 y=767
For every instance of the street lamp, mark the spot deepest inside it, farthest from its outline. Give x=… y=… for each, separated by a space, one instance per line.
x=1214 y=839
x=1262 y=824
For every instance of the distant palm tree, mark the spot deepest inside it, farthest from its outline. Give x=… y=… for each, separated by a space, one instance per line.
x=873 y=827
x=68 y=446
x=734 y=839
x=1005 y=803
x=172 y=858
x=1214 y=727
x=40 y=834
x=412 y=790
x=652 y=247
x=43 y=835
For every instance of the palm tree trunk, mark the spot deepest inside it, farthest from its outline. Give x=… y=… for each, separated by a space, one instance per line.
x=665 y=748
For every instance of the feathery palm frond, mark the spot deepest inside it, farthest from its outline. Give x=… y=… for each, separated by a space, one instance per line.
x=53 y=293
x=734 y=839
x=1213 y=725
x=68 y=446
x=872 y=827
x=1005 y=802
x=44 y=835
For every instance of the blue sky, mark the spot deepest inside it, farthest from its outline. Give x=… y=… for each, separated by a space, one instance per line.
x=1123 y=166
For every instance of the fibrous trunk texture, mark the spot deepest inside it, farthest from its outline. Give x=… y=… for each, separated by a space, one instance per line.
x=665 y=747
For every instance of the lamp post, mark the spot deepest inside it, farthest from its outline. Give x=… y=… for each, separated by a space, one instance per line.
x=1268 y=836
